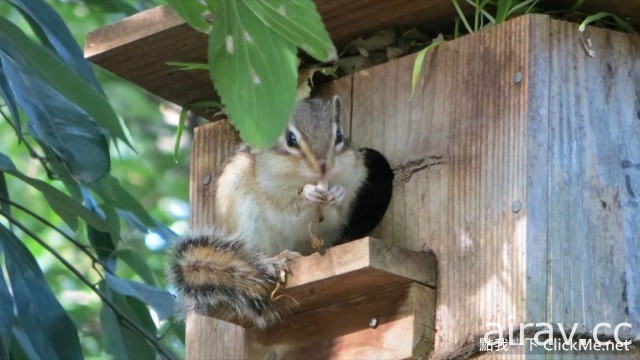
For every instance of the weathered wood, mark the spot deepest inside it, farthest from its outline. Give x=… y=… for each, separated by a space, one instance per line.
x=517 y=151
x=517 y=163
x=350 y=270
x=345 y=329
x=212 y=144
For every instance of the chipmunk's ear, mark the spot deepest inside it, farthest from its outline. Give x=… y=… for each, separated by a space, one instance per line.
x=335 y=104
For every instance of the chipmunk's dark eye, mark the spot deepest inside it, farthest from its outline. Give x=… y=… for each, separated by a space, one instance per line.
x=338 y=136
x=292 y=140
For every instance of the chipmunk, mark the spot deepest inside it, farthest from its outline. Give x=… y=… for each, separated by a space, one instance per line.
x=269 y=205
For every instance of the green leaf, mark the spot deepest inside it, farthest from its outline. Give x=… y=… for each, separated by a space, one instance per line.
x=112 y=193
x=47 y=22
x=188 y=66
x=122 y=342
x=137 y=264
x=26 y=54
x=254 y=71
x=298 y=22
x=183 y=118
x=6 y=164
x=52 y=333
x=161 y=301
x=461 y=16
x=192 y=12
x=21 y=345
x=5 y=207
x=61 y=125
x=601 y=15
x=6 y=313
x=417 y=64
x=65 y=206
x=10 y=101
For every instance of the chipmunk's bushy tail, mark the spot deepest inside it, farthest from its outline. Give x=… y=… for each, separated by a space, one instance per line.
x=212 y=271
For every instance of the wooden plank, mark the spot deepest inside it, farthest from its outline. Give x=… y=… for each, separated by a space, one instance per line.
x=593 y=229
x=212 y=143
x=344 y=331
x=460 y=161
x=358 y=268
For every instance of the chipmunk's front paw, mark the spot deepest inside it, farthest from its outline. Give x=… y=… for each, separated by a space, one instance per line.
x=335 y=195
x=314 y=194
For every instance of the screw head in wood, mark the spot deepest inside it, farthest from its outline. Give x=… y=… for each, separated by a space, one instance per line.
x=373 y=323
x=516 y=206
x=206 y=179
x=517 y=78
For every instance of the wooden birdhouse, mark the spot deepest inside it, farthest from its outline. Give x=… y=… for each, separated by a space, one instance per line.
x=517 y=164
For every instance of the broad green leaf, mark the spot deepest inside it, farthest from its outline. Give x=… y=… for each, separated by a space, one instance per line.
x=122 y=342
x=61 y=125
x=44 y=18
x=161 y=301
x=137 y=264
x=297 y=22
x=192 y=12
x=52 y=333
x=254 y=71
x=26 y=54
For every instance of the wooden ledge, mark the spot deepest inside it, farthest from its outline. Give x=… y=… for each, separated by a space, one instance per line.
x=348 y=271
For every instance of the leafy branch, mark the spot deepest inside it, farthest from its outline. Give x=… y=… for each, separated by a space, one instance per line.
x=252 y=57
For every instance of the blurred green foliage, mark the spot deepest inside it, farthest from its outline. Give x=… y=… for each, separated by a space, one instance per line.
x=151 y=175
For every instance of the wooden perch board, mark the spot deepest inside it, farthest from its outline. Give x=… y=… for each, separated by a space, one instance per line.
x=359 y=268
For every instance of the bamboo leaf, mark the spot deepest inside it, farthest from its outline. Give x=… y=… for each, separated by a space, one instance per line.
x=161 y=301
x=47 y=22
x=51 y=331
x=10 y=100
x=255 y=73
x=39 y=61
x=65 y=206
x=123 y=343
x=64 y=128
x=137 y=264
x=112 y=193
x=6 y=313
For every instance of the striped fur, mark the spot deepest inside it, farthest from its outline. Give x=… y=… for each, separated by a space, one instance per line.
x=220 y=273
